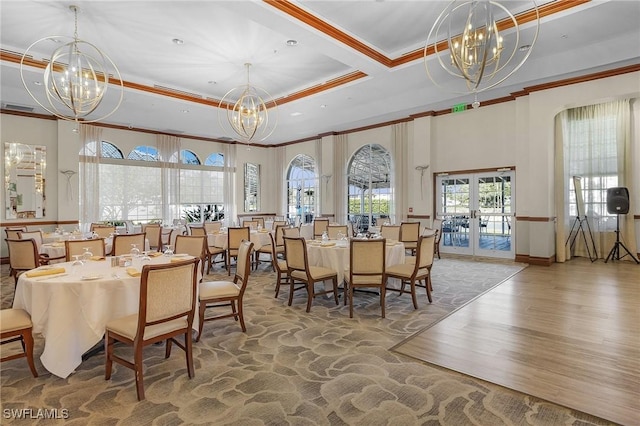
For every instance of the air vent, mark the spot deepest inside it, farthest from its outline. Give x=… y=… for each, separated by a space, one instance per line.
x=173 y=131
x=21 y=108
x=180 y=92
x=225 y=138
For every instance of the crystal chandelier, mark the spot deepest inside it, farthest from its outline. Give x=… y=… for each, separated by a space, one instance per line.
x=250 y=116
x=76 y=79
x=16 y=152
x=468 y=45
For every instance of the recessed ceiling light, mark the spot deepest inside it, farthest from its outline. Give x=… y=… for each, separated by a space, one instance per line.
x=323 y=106
x=212 y=82
x=177 y=41
x=295 y=114
x=292 y=42
x=37 y=83
x=524 y=47
x=184 y=111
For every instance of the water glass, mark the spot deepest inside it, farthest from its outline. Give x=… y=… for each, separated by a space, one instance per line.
x=168 y=251
x=87 y=254
x=135 y=251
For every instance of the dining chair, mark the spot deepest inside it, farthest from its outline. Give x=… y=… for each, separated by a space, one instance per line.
x=409 y=234
x=77 y=247
x=319 y=227
x=122 y=244
x=415 y=273
x=290 y=232
x=390 y=232
x=298 y=269
x=277 y=223
x=235 y=236
x=437 y=226
x=23 y=256
x=39 y=240
x=212 y=227
x=104 y=231
x=279 y=264
x=12 y=233
x=153 y=233
x=196 y=230
x=279 y=238
x=193 y=245
x=212 y=250
x=251 y=224
x=166 y=309
x=366 y=269
x=16 y=326
x=334 y=230
x=269 y=250
x=216 y=294
x=259 y=220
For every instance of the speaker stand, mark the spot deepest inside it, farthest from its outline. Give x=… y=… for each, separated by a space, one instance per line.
x=614 y=254
x=578 y=226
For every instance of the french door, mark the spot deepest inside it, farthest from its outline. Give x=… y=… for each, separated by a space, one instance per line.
x=476 y=212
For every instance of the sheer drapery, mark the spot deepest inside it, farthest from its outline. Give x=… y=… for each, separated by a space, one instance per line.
x=399 y=144
x=319 y=171
x=90 y=152
x=229 y=152
x=594 y=143
x=168 y=150
x=282 y=178
x=339 y=178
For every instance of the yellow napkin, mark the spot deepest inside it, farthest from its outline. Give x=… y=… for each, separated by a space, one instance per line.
x=97 y=258
x=43 y=272
x=133 y=272
x=181 y=258
x=57 y=244
x=264 y=231
x=328 y=244
x=155 y=254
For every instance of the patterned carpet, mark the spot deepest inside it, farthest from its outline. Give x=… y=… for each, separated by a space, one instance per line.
x=293 y=368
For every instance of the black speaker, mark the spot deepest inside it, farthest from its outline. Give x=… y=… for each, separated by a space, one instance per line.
x=618 y=200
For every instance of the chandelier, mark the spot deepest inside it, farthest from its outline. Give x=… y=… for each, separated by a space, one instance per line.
x=468 y=44
x=250 y=116
x=76 y=79
x=16 y=152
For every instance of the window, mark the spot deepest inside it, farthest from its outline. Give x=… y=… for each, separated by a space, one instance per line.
x=216 y=159
x=370 y=193
x=188 y=157
x=302 y=185
x=143 y=153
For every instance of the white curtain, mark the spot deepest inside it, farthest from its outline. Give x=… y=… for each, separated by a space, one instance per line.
x=340 y=178
x=229 y=152
x=320 y=208
x=399 y=144
x=581 y=150
x=282 y=179
x=169 y=152
x=91 y=140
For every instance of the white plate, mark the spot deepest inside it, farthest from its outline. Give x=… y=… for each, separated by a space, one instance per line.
x=91 y=277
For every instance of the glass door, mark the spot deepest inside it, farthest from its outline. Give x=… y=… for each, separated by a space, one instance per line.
x=476 y=212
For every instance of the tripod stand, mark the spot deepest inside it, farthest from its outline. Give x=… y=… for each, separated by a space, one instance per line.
x=614 y=254
x=579 y=222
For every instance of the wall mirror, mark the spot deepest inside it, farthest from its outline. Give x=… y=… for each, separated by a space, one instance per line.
x=251 y=187
x=24 y=171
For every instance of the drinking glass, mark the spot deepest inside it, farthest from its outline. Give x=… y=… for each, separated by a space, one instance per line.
x=145 y=256
x=135 y=251
x=76 y=266
x=87 y=254
x=168 y=251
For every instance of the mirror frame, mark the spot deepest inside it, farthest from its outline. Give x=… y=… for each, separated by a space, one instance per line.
x=251 y=187
x=24 y=177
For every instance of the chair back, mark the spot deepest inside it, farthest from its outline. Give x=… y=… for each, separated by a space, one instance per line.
x=279 y=223
x=291 y=232
x=390 y=232
x=437 y=226
x=295 y=250
x=425 y=252
x=212 y=227
x=251 y=224
x=274 y=253
x=280 y=235
x=367 y=261
x=33 y=235
x=12 y=233
x=23 y=254
x=76 y=247
x=319 y=226
x=122 y=243
x=409 y=232
x=154 y=235
x=259 y=221
x=198 y=231
x=334 y=230
x=243 y=266
x=104 y=231
x=235 y=236
x=167 y=293
x=193 y=245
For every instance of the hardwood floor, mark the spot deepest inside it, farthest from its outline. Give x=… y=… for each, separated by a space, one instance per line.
x=568 y=333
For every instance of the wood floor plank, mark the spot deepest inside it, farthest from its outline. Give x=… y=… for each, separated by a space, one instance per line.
x=568 y=333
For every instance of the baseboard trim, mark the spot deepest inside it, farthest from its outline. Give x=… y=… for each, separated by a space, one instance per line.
x=533 y=260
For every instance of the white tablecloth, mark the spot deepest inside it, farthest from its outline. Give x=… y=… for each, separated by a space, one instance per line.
x=71 y=312
x=337 y=257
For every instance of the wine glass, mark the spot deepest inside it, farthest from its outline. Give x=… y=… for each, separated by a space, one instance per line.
x=135 y=251
x=145 y=256
x=76 y=266
x=87 y=254
x=168 y=251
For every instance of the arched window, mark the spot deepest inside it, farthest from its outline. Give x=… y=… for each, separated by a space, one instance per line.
x=302 y=187
x=369 y=181
x=108 y=150
x=143 y=153
x=188 y=157
x=215 y=159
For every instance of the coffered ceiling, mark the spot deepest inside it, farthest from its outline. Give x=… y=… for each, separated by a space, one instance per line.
x=356 y=63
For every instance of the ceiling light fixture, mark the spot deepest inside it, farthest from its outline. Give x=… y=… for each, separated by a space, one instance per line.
x=292 y=42
x=75 y=79
x=15 y=153
x=477 y=54
x=251 y=117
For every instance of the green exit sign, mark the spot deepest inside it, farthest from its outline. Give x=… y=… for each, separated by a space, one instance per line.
x=459 y=107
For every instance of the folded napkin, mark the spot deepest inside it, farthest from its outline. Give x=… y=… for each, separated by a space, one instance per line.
x=133 y=272
x=181 y=258
x=155 y=254
x=328 y=244
x=97 y=258
x=264 y=231
x=43 y=272
x=57 y=244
